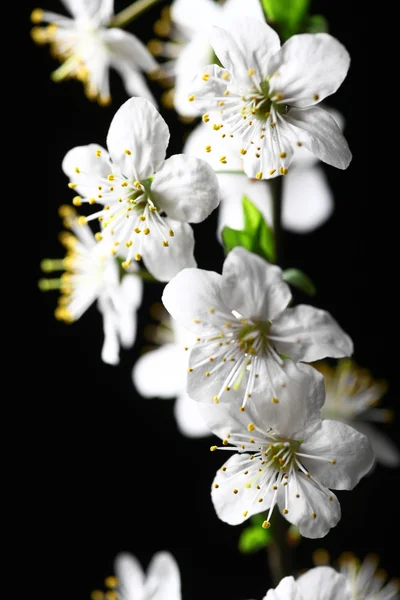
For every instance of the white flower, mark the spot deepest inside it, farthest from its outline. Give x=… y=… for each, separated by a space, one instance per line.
x=191 y=21
x=320 y=583
x=92 y=273
x=266 y=95
x=161 y=582
x=365 y=580
x=87 y=47
x=244 y=327
x=286 y=455
x=351 y=397
x=307 y=201
x=162 y=373
x=137 y=187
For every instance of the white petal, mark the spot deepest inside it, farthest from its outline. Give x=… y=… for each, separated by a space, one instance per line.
x=189 y=420
x=186 y=188
x=161 y=373
x=252 y=286
x=110 y=350
x=131 y=292
x=307 y=333
x=235 y=507
x=286 y=590
x=163 y=578
x=307 y=199
x=130 y=575
x=126 y=47
x=135 y=83
x=238 y=8
x=194 y=15
x=203 y=136
x=204 y=91
x=138 y=127
x=350 y=449
x=385 y=451
x=249 y=43
x=268 y=161
x=308 y=68
x=190 y=295
x=307 y=499
x=319 y=132
x=164 y=263
x=324 y=583
x=92 y=169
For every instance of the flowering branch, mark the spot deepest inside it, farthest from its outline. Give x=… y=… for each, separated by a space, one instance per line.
x=131 y=12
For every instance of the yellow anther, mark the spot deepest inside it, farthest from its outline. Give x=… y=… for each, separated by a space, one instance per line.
x=111 y=595
x=257 y=155
x=111 y=188
x=37 y=15
x=111 y=582
x=82 y=220
x=250 y=72
x=299 y=144
x=98 y=236
x=206 y=77
x=333 y=462
x=273 y=124
x=274 y=400
x=97 y=595
x=92 y=200
x=226 y=76
x=165 y=244
x=278 y=96
x=251 y=427
x=314 y=516
x=142 y=218
x=223 y=160
x=221 y=103
x=77 y=201
x=146 y=231
x=152 y=208
x=162 y=27
x=260 y=499
x=128 y=152
x=124 y=184
x=207 y=373
x=126 y=264
x=208 y=148
x=266 y=525
x=259 y=175
x=110 y=177
x=226 y=93
x=272 y=171
x=223 y=468
x=282 y=155
x=316 y=97
x=283 y=171
x=243 y=151
x=206 y=118
x=128 y=244
x=137 y=185
x=191 y=98
x=98 y=153
x=216 y=399
x=235 y=491
x=213 y=448
x=242 y=408
x=77 y=170
x=297 y=495
x=225 y=442
x=285 y=511
x=217 y=127
x=216 y=486
x=99 y=187
x=72 y=186
x=190 y=370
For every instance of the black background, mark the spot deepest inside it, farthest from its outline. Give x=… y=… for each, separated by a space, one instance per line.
x=105 y=470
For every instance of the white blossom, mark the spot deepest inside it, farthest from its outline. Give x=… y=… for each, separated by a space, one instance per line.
x=243 y=328
x=352 y=397
x=88 y=48
x=147 y=201
x=92 y=274
x=320 y=583
x=162 y=373
x=267 y=95
x=285 y=455
x=366 y=581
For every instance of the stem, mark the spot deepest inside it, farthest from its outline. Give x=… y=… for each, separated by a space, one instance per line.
x=131 y=12
x=276 y=189
x=279 y=554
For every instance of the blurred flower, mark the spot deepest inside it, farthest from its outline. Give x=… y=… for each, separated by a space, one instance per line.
x=161 y=582
x=162 y=373
x=320 y=583
x=266 y=95
x=307 y=200
x=92 y=273
x=88 y=47
x=244 y=327
x=286 y=455
x=188 y=49
x=138 y=187
x=351 y=397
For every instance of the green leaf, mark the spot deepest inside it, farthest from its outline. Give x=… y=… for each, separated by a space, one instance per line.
x=266 y=242
x=317 y=24
x=287 y=14
x=299 y=280
x=254 y=538
x=233 y=237
x=252 y=216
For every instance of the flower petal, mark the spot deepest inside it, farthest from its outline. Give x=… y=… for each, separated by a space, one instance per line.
x=203 y=137
x=286 y=590
x=308 y=68
x=307 y=333
x=190 y=295
x=252 y=286
x=324 y=583
x=189 y=420
x=110 y=350
x=134 y=82
x=238 y=8
x=307 y=199
x=385 y=451
x=268 y=161
x=341 y=443
x=162 y=372
x=139 y=128
x=186 y=188
x=248 y=44
x=319 y=132
x=166 y=262
x=91 y=168
x=163 y=578
x=307 y=499
x=99 y=12
x=194 y=15
x=127 y=48
x=130 y=575
x=131 y=292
